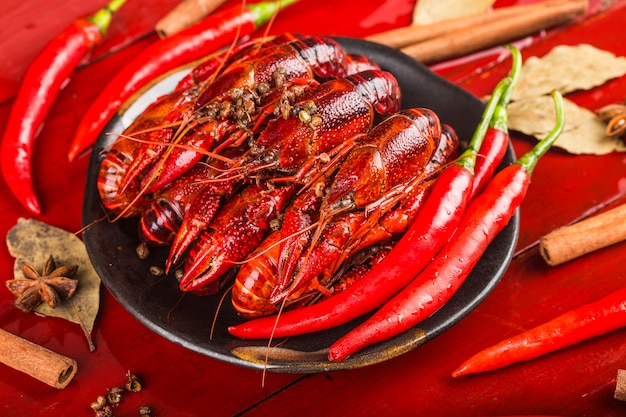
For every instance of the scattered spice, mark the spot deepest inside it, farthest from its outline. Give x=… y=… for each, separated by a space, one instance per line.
x=143 y=251
x=186 y=14
x=52 y=286
x=614 y=115
x=114 y=395
x=30 y=242
x=144 y=410
x=99 y=404
x=156 y=271
x=104 y=404
x=593 y=233
x=178 y=274
x=134 y=383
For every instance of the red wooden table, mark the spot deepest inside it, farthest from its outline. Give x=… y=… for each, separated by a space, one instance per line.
x=578 y=381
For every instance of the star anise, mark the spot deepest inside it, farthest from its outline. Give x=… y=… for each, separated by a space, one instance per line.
x=52 y=285
x=614 y=115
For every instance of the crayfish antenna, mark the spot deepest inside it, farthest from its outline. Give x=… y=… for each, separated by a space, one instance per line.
x=271 y=338
x=217 y=310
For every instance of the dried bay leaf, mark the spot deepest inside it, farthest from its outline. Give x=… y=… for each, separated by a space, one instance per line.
x=568 y=68
x=584 y=132
x=32 y=242
x=430 y=11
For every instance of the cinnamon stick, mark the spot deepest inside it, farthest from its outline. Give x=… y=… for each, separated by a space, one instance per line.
x=480 y=36
x=620 y=387
x=187 y=13
x=45 y=365
x=404 y=36
x=584 y=237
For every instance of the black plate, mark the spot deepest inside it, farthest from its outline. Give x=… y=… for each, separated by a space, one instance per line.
x=155 y=301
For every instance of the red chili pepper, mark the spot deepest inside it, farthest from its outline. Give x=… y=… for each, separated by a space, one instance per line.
x=493 y=150
x=42 y=82
x=437 y=220
x=582 y=323
x=486 y=216
x=193 y=43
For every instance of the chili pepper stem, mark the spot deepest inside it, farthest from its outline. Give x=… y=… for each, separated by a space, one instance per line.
x=495 y=113
x=102 y=18
x=529 y=160
x=516 y=70
x=263 y=11
x=468 y=157
x=500 y=119
x=496 y=142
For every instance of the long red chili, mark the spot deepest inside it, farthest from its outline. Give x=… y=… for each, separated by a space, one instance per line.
x=39 y=88
x=437 y=220
x=213 y=32
x=486 y=216
x=582 y=323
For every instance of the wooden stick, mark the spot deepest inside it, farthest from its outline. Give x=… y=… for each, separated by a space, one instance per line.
x=477 y=37
x=589 y=235
x=620 y=387
x=52 y=368
x=187 y=13
x=408 y=35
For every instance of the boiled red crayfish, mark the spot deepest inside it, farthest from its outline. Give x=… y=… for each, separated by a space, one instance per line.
x=139 y=166
x=272 y=149
x=258 y=282
x=292 y=121
x=171 y=142
x=292 y=145
x=395 y=151
x=125 y=199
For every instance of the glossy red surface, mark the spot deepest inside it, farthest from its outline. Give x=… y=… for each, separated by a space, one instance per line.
x=578 y=381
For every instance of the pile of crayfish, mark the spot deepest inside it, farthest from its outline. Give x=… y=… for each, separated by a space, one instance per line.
x=286 y=162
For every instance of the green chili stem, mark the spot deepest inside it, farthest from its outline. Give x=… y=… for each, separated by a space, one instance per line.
x=529 y=160
x=102 y=18
x=500 y=119
x=263 y=11
x=516 y=70
x=468 y=157
x=495 y=114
